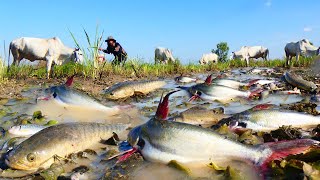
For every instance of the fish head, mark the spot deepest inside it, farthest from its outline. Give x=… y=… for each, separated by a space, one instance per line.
x=313 y=87
x=23 y=159
x=134 y=137
x=52 y=92
x=178 y=79
x=14 y=129
x=118 y=93
x=194 y=94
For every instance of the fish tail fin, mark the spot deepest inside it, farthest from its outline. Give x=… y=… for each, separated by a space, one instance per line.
x=254 y=93
x=281 y=149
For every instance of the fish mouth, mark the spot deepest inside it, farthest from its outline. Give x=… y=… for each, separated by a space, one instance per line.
x=17 y=165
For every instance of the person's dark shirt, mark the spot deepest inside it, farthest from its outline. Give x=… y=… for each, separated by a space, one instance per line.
x=116 y=50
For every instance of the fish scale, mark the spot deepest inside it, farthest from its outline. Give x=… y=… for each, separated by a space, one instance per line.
x=60 y=140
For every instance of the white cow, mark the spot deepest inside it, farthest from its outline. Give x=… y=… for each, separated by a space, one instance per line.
x=302 y=47
x=52 y=50
x=210 y=57
x=163 y=55
x=247 y=52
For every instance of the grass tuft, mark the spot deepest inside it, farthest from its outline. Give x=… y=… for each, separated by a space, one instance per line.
x=136 y=67
x=2 y=70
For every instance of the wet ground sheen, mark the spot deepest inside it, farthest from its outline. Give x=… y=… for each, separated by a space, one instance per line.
x=19 y=107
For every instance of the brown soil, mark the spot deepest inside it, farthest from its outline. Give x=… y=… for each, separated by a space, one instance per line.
x=12 y=88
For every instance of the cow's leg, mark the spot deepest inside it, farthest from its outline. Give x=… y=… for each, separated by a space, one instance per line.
x=247 y=61
x=52 y=70
x=17 y=57
x=49 y=65
x=156 y=59
x=297 y=59
x=16 y=61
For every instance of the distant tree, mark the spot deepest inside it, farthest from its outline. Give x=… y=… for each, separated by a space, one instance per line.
x=222 y=51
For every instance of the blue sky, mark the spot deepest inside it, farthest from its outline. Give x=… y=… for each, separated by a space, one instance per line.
x=190 y=28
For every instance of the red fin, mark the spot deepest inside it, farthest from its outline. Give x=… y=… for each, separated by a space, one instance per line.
x=255 y=93
x=194 y=97
x=262 y=106
x=69 y=81
x=252 y=82
x=127 y=154
x=44 y=98
x=208 y=81
x=282 y=149
x=163 y=107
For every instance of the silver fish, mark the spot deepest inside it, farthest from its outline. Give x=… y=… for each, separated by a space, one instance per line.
x=162 y=141
x=39 y=150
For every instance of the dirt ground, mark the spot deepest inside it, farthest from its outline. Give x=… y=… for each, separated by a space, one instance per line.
x=12 y=88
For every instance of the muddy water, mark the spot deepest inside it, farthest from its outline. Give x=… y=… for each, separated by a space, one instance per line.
x=16 y=109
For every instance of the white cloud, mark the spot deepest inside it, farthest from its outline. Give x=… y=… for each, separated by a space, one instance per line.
x=268 y=3
x=307 y=29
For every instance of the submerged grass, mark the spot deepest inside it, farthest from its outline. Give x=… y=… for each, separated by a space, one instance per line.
x=136 y=67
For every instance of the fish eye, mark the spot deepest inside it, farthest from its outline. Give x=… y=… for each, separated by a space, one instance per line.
x=198 y=93
x=111 y=94
x=141 y=143
x=31 y=157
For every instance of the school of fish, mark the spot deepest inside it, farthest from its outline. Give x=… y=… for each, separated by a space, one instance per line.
x=176 y=135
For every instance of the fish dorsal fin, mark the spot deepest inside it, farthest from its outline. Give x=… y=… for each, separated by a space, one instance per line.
x=208 y=81
x=69 y=81
x=163 y=107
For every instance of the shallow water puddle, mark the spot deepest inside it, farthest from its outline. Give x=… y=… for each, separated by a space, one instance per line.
x=13 y=109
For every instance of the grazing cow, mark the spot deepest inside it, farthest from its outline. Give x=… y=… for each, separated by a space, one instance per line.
x=52 y=50
x=163 y=55
x=247 y=52
x=210 y=57
x=302 y=47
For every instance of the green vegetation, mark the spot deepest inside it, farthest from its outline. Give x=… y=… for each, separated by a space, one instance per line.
x=222 y=51
x=2 y=69
x=91 y=54
x=136 y=67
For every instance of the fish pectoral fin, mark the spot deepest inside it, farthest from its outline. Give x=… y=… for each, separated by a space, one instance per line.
x=59 y=159
x=114 y=140
x=139 y=93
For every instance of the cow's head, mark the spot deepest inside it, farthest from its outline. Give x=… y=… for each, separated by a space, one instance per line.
x=78 y=56
x=168 y=55
x=306 y=41
x=201 y=61
x=233 y=55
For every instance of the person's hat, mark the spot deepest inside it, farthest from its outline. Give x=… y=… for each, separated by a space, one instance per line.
x=110 y=38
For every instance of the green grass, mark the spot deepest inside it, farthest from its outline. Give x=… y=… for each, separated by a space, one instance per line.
x=136 y=67
x=3 y=70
